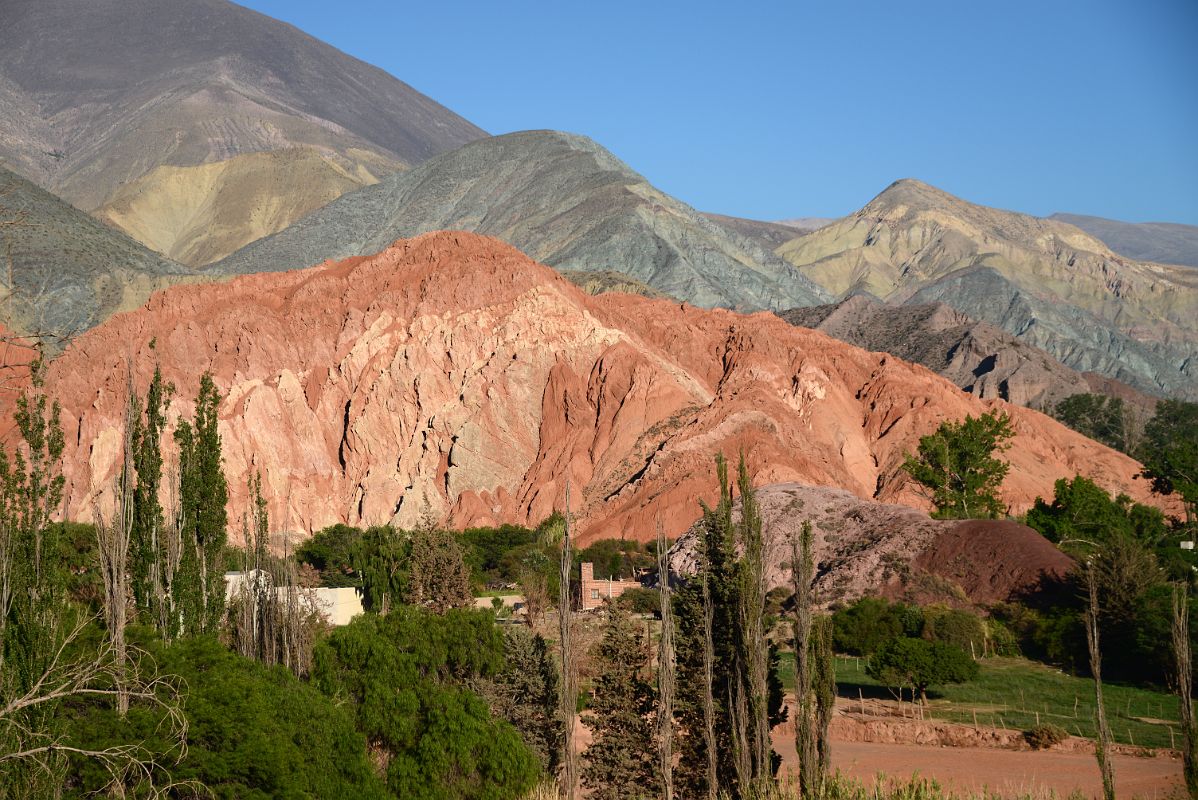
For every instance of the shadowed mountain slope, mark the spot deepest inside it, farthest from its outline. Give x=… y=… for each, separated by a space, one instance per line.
x=982 y=359
x=97 y=95
x=1047 y=283
x=451 y=375
x=1163 y=242
x=560 y=198
x=70 y=271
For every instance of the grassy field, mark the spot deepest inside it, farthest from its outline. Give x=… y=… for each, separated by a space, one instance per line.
x=1017 y=693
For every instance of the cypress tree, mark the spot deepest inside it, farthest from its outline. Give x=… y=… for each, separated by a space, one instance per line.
x=622 y=758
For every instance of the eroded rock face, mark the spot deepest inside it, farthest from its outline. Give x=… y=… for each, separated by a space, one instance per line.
x=866 y=548
x=452 y=375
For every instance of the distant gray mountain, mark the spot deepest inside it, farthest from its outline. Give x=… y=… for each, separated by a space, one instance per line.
x=70 y=271
x=155 y=113
x=563 y=200
x=1162 y=242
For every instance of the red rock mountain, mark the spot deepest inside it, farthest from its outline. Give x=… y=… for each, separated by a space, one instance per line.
x=452 y=375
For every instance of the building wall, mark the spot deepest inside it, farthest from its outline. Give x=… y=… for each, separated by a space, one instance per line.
x=593 y=591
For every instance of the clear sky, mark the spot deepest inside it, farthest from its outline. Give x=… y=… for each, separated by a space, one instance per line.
x=804 y=108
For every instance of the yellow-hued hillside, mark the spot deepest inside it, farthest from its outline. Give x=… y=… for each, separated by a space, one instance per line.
x=200 y=214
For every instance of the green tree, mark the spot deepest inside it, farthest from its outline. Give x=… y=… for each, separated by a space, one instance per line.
x=254 y=732
x=869 y=623
x=150 y=565
x=203 y=522
x=438 y=577
x=526 y=693
x=405 y=677
x=918 y=663
x=380 y=559
x=958 y=466
x=621 y=760
x=330 y=552
x=716 y=594
x=1098 y=416
x=1170 y=453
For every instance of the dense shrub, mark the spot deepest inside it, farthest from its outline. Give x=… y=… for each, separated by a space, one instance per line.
x=1045 y=736
x=253 y=731
x=405 y=677
x=641 y=601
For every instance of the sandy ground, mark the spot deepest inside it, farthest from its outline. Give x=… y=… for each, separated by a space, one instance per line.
x=1008 y=772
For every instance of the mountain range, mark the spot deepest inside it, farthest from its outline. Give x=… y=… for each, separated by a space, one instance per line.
x=158 y=116
x=451 y=375
x=1048 y=283
x=560 y=198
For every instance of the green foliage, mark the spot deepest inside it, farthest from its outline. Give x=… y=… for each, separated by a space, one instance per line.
x=1098 y=416
x=486 y=551
x=526 y=693
x=640 y=601
x=1082 y=513
x=405 y=677
x=331 y=553
x=957 y=464
x=438 y=577
x=380 y=559
x=616 y=558
x=203 y=493
x=717 y=550
x=866 y=625
x=253 y=732
x=1170 y=452
x=35 y=616
x=955 y=627
x=918 y=663
x=1044 y=736
x=621 y=759
x=148 y=540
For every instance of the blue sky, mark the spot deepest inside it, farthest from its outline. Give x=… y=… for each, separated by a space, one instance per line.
x=802 y=108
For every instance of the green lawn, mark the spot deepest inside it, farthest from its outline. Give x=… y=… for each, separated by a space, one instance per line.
x=1011 y=692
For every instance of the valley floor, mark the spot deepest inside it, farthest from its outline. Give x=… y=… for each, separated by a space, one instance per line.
x=1010 y=773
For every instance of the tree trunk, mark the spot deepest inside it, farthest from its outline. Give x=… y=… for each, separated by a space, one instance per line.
x=1184 y=676
x=665 y=671
x=1102 y=749
x=569 y=700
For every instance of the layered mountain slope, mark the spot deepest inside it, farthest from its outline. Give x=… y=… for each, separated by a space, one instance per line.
x=201 y=214
x=866 y=548
x=978 y=357
x=98 y=94
x=451 y=374
x=68 y=271
x=560 y=198
x=1046 y=282
x=1162 y=242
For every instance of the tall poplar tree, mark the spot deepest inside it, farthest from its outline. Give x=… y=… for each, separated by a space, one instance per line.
x=203 y=493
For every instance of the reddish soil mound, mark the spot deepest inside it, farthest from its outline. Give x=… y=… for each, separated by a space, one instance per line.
x=452 y=375
x=866 y=548
x=993 y=560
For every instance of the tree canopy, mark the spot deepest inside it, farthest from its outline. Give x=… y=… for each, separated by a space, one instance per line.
x=405 y=676
x=918 y=663
x=958 y=465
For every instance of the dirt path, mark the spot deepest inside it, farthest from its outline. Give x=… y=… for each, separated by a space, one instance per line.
x=1008 y=772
